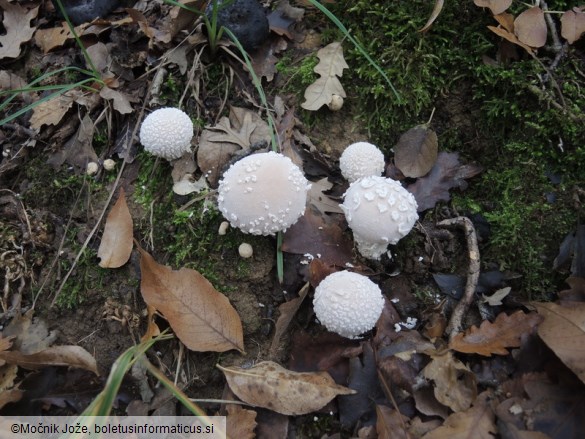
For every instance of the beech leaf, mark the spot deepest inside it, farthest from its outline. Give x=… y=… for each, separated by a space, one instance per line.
x=71 y=356
x=202 y=318
x=496 y=6
x=563 y=330
x=455 y=384
x=116 y=245
x=493 y=338
x=510 y=37
x=530 y=27
x=331 y=65
x=269 y=385
x=573 y=25
x=416 y=151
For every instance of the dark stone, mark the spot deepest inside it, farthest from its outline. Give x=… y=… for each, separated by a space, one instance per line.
x=83 y=11
x=245 y=18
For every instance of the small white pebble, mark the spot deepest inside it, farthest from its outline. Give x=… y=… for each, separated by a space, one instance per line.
x=397 y=327
x=261 y=305
x=395 y=300
x=245 y=250
x=92 y=168
x=349 y=265
x=109 y=164
x=223 y=228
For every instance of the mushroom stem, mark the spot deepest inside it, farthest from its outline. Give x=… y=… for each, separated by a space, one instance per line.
x=462 y=307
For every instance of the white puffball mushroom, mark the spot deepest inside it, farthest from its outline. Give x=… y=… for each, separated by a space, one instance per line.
x=109 y=164
x=263 y=194
x=92 y=168
x=348 y=303
x=167 y=133
x=245 y=250
x=361 y=159
x=379 y=211
x=222 y=230
x=336 y=103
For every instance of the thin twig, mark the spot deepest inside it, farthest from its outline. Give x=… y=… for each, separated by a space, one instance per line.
x=462 y=307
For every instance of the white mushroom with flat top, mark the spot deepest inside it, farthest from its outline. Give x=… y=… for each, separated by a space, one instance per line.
x=348 y=303
x=263 y=193
x=167 y=133
x=379 y=211
x=361 y=159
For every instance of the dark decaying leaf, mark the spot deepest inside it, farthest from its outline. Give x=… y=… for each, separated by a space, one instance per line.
x=572 y=252
x=264 y=58
x=447 y=173
x=390 y=423
x=530 y=27
x=287 y=312
x=78 y=151
x=416 y=151
x=507 y=331
x=576 y=292
x=283 y=17
x=453 y=285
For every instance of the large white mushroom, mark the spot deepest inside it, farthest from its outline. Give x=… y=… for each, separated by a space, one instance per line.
x=361 y=159
x=380 y=212
x=263 y=194
x=167 y=133
x=348 y=303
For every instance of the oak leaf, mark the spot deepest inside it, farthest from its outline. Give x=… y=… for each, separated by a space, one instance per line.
x=116 y=245
x=202 y=318
x=506 y=331
x=530 y=27
x=320 y=200
x=240 y=422
x=17 y=29
x=416 y=151
x=331 y=65
x=573 y=24
x=269 y=385
x=563 y=330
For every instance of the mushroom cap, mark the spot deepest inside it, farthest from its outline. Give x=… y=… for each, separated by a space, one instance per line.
x=167 y=133
x=348 y=303
x=380 y=212
x=361 y=159
x=263 y=193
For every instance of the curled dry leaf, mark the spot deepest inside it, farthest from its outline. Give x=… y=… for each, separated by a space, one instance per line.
x=70 y=356
x=510 y=37
x=287 y=312
x=416 y=151
x=269 y=385
x=202 y=317
x=331 y=65
x=496 y=6
x=563 y=330
x=116 y=245
x=436 y=11
x=240 y=422
x=573 y=24
x=506 y=331
x=530 y=27
x=455 y=384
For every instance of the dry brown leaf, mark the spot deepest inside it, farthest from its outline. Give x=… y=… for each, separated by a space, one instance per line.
x=116 y=245
x=48 y=39
x=269 y=385
x=9 y=396
x=455 y=384
x=202 y=317
x=17 y=28
x=331 y=65
x=416 y=151
x=506 y=20
x=78 y=151
x=152 y=329
x=51 y=112
x=322 y=202
x=510 y=37
x=530 y=27
x=240 y=422
x=506 y=331
x=119 y=100
x=287 y=312
x=71 y=356
x=496 y=6
x=573 y=25
x=563 y=330
x=391 y=424
x=478 y=422
x=434 y=15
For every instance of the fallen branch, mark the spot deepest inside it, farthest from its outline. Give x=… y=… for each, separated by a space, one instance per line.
x=462 y=307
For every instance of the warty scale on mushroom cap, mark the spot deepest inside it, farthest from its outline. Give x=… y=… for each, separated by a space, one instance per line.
x=348 y=303
x=379 y=211
x=361 y=159
x=167 y=133
x=263 y=193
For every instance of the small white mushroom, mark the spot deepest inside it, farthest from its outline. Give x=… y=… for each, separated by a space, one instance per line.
x=167 y=133
x=361 y=159
x=109 y=164
x=92 y=168
x=336 y=103
x=380 y=212
x=348 y=303
x=263 y=194
x=245 y=250
x=223 y=228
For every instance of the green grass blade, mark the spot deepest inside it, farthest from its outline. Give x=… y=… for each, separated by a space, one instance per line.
x=356 y=43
